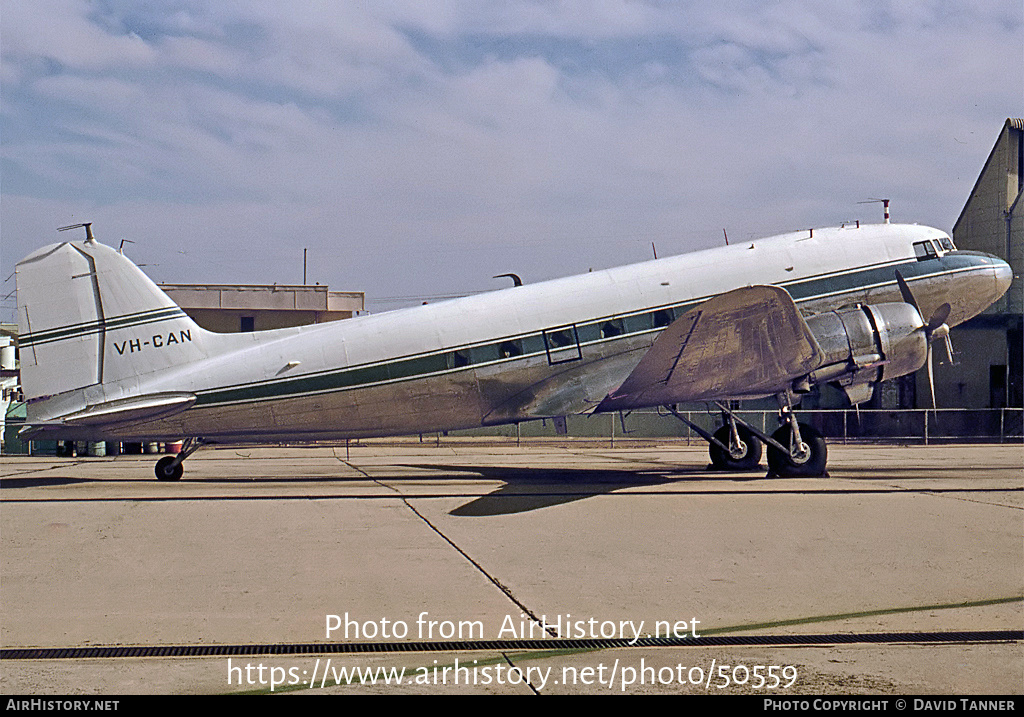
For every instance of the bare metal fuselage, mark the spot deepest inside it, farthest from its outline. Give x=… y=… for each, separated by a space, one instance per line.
x=548 y=349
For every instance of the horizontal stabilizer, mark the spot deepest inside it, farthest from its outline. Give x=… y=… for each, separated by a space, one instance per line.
x=744 y=343
x=131 y=409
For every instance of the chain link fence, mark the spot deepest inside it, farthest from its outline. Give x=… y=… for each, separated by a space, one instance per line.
x=922 y=426
x=949 y=425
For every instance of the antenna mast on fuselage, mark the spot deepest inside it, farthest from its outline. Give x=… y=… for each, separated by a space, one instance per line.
x=89 y=238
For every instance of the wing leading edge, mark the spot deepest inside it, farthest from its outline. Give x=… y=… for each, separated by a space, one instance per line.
x=744 y=343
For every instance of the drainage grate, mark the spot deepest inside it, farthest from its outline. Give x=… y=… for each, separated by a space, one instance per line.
x=327 y=648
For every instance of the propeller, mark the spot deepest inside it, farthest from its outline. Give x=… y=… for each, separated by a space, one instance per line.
x=935 y=328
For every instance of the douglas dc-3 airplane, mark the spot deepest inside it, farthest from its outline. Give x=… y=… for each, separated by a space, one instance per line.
x=106 y=355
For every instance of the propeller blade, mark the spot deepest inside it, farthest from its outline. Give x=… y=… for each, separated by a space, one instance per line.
x=935 y=328
x=938 y=319
x=941 y=331
x=937 y=322
x=905 y=292
x=931 y=376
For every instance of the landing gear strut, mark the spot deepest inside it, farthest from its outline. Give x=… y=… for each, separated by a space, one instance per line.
x=170 y=467
x=736 y=446
x=796 y=450
x=744 y=448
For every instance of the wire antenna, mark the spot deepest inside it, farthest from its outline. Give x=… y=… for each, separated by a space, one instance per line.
x=516 y=281
x=885 y=206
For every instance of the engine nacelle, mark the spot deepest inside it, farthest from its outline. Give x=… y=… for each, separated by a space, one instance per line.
x=865 y=345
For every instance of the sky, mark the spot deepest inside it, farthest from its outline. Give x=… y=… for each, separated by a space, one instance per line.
x=417 y=148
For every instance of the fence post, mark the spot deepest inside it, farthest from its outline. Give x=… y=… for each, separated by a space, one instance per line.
x=926 y=426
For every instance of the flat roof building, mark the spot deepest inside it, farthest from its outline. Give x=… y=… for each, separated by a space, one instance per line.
x=229 y=308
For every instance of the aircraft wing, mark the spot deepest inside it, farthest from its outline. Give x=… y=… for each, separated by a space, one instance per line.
x=744 y=343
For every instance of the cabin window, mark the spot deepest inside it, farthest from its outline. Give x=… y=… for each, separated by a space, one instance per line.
x=532 y=344
x=640 y=322
x=925 y=250
x=663 y=317
x=562 y=344
x=611 y=328
x=483 y=354
x=510 y=349
x=560 y=338
x=589 y=332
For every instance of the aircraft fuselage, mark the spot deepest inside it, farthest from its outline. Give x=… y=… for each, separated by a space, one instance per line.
x=540 y=350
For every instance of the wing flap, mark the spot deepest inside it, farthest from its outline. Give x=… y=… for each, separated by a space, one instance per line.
x=747 y=342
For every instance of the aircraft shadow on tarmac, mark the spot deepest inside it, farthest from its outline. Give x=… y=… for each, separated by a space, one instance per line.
x=40 y=481
x=529 y=489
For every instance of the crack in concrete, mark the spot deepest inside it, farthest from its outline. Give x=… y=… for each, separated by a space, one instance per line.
x=493 y=580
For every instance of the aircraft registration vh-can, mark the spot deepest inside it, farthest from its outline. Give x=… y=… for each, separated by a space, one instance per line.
x=106 y=355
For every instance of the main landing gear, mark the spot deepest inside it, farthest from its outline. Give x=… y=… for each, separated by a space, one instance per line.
x=170 y=467
x=736 y=448
x=795 y=450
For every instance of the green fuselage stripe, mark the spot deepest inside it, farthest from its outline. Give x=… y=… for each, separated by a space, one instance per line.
x=95 y=327
x=611 y=328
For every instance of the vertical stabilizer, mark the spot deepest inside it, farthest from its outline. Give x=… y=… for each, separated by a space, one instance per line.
x=87 y=316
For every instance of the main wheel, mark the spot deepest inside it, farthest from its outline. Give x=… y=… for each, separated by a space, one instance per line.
x=724 y=461
x=168 y=469
x=809 y=463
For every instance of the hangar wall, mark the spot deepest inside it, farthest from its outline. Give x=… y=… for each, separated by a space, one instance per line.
x=989 y=356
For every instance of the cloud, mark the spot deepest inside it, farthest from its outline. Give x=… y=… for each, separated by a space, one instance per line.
x=60 y=32
x=429 y=145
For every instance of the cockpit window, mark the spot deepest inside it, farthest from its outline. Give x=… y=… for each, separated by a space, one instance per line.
x=924 y=250
x=947 y=243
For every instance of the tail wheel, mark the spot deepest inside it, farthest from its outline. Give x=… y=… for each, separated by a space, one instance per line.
x=169 y=468
x=809 y=461
x=747 y=459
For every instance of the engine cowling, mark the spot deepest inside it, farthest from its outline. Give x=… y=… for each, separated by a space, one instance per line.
x=865 y=345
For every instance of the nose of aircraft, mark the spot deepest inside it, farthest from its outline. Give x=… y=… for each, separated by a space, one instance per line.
x=987 y=278
x=1003 y=276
